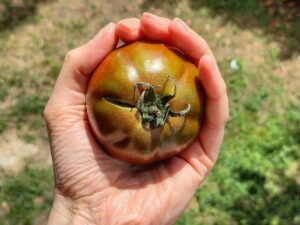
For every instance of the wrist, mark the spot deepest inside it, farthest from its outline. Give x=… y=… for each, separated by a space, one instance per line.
x=65 y=211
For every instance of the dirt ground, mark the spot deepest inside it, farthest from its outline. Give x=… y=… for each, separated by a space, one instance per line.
x=25 y=54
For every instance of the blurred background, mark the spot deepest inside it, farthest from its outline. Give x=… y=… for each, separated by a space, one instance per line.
x=257 y=45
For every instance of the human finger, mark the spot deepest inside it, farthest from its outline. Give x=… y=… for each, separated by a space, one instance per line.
x=216 y=106
x=155 y=27
x=187 y=40
x=129 y=30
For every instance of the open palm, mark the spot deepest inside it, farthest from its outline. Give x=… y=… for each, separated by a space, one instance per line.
x=94 y=188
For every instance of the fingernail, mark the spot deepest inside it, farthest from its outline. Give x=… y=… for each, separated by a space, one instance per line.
x=105 y=30
x=150 y=15
x=181 y=23
x=108 y=28
x=125 y=26
x=210 y=59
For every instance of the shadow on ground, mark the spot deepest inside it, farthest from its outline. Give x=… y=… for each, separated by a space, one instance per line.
x=279 y=207
x=12 y=13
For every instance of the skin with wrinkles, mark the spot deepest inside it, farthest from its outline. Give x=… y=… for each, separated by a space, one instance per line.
x=93 y=188
x=119 y=128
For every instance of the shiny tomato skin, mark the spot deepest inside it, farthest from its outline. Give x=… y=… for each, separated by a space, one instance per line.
x=118 y=129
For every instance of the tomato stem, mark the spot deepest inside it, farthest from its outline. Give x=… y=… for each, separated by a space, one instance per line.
x=153 y=109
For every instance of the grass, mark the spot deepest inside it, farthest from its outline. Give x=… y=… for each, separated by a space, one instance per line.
x=25 y=196
x=256 y=179
x=3 y=124
x=250 y=183
x=28 y=105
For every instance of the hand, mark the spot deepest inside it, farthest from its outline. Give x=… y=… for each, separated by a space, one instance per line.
x=94 y=188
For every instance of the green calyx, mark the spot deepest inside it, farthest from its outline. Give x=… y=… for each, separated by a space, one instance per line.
x=153 y=108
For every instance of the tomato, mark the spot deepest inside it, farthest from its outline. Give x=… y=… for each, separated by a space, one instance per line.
x=145 y=102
